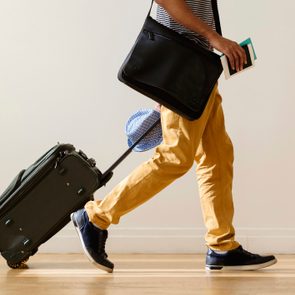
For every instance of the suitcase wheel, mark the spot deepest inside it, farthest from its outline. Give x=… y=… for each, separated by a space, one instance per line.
x=20 y=265
x=23 y=263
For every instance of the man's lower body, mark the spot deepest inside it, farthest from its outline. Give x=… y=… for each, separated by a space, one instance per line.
x=204 y=141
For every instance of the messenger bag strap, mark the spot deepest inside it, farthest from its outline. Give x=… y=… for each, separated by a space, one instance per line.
x=151 y=8
x=216 y=16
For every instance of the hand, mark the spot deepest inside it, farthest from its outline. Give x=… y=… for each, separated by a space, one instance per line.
x=235 y=53
x=158 y=107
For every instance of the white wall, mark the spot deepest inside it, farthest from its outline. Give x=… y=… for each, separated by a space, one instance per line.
x=58 y=65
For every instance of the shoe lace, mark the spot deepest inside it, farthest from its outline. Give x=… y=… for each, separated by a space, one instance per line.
x=103 y=235
x=250 y=254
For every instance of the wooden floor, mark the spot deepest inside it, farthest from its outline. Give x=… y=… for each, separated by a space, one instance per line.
x=72 y=274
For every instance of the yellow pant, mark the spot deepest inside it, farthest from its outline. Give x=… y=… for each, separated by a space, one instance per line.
x=204 y=141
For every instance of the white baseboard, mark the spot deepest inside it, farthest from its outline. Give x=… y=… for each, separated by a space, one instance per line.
x=175 y=240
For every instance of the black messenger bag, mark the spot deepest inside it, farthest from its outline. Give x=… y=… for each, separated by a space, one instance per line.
x=171 y=69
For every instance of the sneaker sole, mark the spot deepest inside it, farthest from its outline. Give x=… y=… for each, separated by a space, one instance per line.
x=100 y=266
x=241 y=267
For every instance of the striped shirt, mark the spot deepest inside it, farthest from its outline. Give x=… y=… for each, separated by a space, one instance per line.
x=201 y=8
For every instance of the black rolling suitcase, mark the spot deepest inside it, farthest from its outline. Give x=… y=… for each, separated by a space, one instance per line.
x=40 y=199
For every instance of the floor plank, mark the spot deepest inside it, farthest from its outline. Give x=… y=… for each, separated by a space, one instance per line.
x=72 y=274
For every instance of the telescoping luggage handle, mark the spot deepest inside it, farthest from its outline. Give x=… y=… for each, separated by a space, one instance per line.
x=107 y=175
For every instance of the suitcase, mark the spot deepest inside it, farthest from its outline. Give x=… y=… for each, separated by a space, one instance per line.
x=40 y=199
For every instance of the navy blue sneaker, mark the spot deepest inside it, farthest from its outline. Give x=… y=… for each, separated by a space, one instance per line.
x=237 y=259
x=93 y=240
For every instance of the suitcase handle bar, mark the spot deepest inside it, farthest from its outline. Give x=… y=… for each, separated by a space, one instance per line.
x=107 y=175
